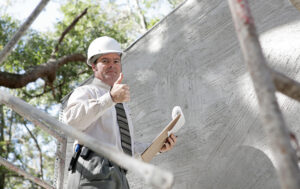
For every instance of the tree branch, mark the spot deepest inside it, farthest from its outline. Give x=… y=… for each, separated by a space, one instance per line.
x=53 y=56
x=2 y=151
x=286 y=85
x=9 y=134
x=74 y=22
x=9 y=46
x=39 y=149
x=59 y=86
x=28 y=176
x=143 y=21
x=46 y=71
x=37 y=95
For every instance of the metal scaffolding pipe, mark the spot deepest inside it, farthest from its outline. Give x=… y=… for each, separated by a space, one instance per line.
x=50 y=130
x=273 y=122
x=9 y=46
x=154 y=176
x=61 y=161
x=23 y=173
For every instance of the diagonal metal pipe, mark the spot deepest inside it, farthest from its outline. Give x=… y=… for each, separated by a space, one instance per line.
x=9 y=46
x=152 y=175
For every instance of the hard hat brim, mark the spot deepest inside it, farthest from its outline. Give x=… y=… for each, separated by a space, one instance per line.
x=95 y=57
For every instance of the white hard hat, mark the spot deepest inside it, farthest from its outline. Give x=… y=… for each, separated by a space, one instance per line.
x=100 y=46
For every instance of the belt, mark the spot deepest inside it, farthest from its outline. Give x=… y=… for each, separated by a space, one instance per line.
x=84 y=153
x=124 y=171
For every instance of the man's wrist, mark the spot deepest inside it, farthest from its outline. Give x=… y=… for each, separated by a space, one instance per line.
x=111 y=96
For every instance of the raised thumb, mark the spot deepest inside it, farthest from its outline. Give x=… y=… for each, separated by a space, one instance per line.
x=119 y=80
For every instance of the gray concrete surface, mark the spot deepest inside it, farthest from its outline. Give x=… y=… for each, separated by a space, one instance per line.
x=192 y=59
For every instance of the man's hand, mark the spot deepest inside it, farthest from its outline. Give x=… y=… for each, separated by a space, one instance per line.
x=169 y=144
x=120 y=92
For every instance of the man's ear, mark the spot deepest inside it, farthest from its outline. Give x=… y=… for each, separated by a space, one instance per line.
x=94 y=67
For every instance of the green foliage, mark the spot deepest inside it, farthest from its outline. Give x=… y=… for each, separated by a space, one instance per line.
x=174 y=3
x=152 y=22
x=7 y=29
x=97 y=22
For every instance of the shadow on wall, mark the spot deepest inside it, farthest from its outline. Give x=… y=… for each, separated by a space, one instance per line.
x=193 y=59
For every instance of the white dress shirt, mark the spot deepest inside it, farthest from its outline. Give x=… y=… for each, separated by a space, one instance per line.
x=91 y=110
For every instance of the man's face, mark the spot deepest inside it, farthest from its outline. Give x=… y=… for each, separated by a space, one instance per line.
x=108 y=68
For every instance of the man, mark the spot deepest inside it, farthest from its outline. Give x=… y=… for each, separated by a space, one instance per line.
x=97 y=109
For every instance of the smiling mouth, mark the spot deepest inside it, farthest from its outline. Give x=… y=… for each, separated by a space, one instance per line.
x=111 y=72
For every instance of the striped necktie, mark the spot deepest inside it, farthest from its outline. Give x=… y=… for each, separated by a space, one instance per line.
x=124 y=129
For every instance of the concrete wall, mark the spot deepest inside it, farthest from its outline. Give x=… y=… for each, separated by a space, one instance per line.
x=193 y=59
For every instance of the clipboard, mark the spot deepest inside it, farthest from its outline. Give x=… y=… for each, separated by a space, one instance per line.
x=159 y=141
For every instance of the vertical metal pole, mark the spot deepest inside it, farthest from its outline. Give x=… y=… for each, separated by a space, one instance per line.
x=273 y=123
x=60 y=158
x=60 y=163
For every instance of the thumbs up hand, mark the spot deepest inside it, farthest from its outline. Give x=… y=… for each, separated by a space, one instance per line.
x=120 y=92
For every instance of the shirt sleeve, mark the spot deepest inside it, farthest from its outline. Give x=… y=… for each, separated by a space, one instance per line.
x=84 y=107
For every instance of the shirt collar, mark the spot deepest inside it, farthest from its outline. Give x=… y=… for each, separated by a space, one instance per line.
x=97 y=82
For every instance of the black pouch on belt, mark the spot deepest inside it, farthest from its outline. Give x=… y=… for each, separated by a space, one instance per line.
x=85 y=152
